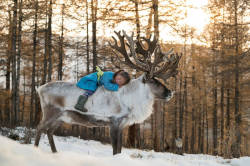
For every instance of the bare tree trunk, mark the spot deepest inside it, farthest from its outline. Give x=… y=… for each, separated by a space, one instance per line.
x=87 y=28
x=194 y=112
x=207 y=131
x=33 y=66
x=156 y=18
x=19 y=43
x=149 y=26
x=77 y=61
x=94 y=19
x=203 y=125
x=131 y=136
x=222 y=112
x=215 y=126
x=13 y=54
x=162 y=127
x=181 y=107
x=137 y=19
x=227 y=149
x=60 y=65
x=199 y=119
x=228 y=121
x=24 y=95
x=50 y=42
x=45 y=62
x=185 y=113
x=157 y=130
x=37 y=104
x=45 y=55
x=205 y=117
x=184 y=98
x=236 y=150
x=8 y=52
x=222 y=90
x=174 y=130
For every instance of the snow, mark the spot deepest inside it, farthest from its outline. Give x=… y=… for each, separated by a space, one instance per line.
x=78 y=152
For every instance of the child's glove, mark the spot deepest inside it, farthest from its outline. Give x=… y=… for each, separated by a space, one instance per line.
x=99 y=73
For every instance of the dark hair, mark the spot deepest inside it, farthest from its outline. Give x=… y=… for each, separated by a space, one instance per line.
x=123 y=74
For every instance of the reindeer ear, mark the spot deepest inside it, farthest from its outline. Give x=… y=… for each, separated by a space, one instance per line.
x=144 y=80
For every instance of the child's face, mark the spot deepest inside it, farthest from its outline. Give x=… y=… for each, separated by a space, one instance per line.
x=120 y=80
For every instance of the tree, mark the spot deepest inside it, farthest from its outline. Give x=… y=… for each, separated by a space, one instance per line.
x=13 y=56
x=61 y=52
x=19 y=43
x=50 y=41
x=33 y=65
x=94 y=4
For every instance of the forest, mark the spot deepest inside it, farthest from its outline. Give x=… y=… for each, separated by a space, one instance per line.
x=48 y=40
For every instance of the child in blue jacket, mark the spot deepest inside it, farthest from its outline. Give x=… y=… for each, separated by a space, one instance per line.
x=110 y=80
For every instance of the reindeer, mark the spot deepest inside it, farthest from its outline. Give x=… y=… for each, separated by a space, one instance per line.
x=132 y=103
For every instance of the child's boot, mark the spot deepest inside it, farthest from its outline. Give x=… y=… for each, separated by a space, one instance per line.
x=81 y=102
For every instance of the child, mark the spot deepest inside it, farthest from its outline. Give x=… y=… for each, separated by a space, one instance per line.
x=110 y=81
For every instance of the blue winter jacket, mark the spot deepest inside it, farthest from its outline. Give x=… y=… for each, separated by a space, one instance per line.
x=89 y=82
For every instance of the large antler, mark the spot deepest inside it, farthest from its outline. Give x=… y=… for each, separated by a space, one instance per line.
x=123 y=51
x=164 y=65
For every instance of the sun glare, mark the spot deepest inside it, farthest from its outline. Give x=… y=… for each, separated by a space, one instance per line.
x=196 y=14
x=196 y=17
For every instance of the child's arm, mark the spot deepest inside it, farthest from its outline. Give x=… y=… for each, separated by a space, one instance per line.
x=111 y=86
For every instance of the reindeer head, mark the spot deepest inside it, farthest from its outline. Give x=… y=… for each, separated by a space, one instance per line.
x=149 y=59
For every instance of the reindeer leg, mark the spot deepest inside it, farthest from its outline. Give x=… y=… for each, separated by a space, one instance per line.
x=113 y=135
x=38 y=136
x=41 y=128
x=50 y=132
x=51 y=140
x=116 y=129
x=119 y=141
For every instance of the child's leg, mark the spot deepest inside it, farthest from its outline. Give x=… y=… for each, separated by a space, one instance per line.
x=88 y=93
x=82 y=100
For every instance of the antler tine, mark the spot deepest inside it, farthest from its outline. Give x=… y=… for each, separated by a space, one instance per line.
x=165 y=54
x=159 y=57
x=122 y=49
x=169 y=69
x=132 y=48
x=140 y=50
x=162 y=56
x=154 y=64
x=151 y=46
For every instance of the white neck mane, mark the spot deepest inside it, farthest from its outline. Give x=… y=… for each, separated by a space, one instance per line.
x=138 y=99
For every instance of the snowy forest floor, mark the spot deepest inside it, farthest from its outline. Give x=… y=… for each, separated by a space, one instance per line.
x=78 y=152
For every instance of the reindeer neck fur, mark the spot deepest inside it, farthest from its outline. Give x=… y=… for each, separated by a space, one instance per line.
x=138 y=99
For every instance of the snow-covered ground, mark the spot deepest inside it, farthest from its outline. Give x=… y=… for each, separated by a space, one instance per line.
x=77 y=152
